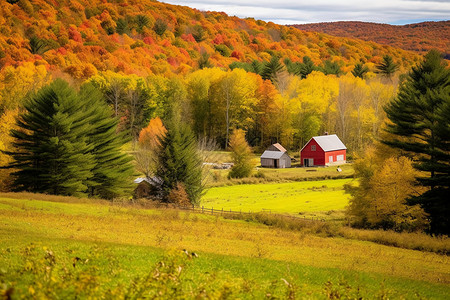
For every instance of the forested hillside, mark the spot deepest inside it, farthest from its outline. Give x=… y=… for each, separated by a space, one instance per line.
x=143 y=37
x=151 y=60
x=420 y=37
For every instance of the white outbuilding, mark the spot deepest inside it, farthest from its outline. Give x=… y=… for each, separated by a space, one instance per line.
x=275 y=157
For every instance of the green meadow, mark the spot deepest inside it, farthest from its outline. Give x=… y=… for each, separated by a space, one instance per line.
x=64 y=248
x=302 y=197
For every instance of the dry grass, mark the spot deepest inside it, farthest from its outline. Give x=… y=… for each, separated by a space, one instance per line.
x=407 y=240
x=413 y=241
x=169 y=229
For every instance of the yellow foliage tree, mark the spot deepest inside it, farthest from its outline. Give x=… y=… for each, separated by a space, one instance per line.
x=7 y=122
x=385 y=182
x=241 y=154
x=390 y=186
x=16 y=83
x=148 y=146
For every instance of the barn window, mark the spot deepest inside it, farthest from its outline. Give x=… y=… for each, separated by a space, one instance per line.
x=313 y=148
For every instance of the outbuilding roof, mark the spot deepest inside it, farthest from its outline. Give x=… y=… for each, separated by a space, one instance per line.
x=328 y=142
x=279 y=147
x=272 y=154
x=152 y=180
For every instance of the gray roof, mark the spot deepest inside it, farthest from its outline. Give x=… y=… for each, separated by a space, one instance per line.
x=272 y=154
x=152 y=180
x=328 y=142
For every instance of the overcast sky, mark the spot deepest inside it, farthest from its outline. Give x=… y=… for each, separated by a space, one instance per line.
x=396 y=12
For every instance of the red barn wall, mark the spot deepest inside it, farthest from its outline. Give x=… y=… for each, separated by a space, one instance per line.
x=334 y=154
x=318 y=155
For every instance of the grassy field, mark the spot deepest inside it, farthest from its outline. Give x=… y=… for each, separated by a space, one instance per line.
x=69 y=247
x=319 y=198
x=264 y=175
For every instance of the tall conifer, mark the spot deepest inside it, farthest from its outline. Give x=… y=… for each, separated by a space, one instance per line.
x=420 y=124
x=179 y=161
x=113 y=169
x=67 y=144
x=53 y=153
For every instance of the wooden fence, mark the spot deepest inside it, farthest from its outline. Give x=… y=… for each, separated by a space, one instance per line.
x=221 y=211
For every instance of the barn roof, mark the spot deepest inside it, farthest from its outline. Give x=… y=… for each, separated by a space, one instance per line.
x=272 y=154
x=279 y=147
x=328 y=142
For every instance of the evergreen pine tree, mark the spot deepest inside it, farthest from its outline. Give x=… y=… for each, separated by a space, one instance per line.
x=179 y=162
x=387 y=67
x=306 y=67
x=53 y=154
x=420 y=124
x=113 y=169
x=271 y=69
x=257 y=67
x=331 y=68
x=360 y=70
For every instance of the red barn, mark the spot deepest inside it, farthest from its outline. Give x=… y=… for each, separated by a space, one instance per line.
x=323 y=150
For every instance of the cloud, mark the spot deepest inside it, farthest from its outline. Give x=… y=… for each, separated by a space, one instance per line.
x=297 y=12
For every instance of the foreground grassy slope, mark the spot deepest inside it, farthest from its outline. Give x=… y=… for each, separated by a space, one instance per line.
x=290 y=197
x=116 y=244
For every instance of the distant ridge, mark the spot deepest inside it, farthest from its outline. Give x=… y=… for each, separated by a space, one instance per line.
x=418 y=37
x=83 y=37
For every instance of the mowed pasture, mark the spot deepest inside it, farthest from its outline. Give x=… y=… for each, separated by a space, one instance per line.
x=92 y=248
x=320 y=198
x=219 y=177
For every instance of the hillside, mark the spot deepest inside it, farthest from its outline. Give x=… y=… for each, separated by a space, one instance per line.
x=60 y=247
x=420 y=37
x=81 y=38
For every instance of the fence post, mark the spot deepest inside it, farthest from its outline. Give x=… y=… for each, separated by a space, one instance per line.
x=222 y=210
x=212 y=210
x=202 y=208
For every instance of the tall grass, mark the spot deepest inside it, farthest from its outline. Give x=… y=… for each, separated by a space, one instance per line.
x=414 y=241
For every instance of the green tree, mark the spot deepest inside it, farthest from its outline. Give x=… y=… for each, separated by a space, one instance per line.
x=179 y=162
x=122 y=26
x=387 y=67
x=37 y=45
x=331 y=68
x=53 y=152
x=271 y=69
x=113 y=170
x=160 y=26
x=257 y=67
x=360 y=70
x=420 y=125
x=203 y=61
x=241 y=154
x=292 y=67
x=306 y=67
x=141 y=22
x=67 y=145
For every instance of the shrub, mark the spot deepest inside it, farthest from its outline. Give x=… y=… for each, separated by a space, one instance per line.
x=178 y=196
